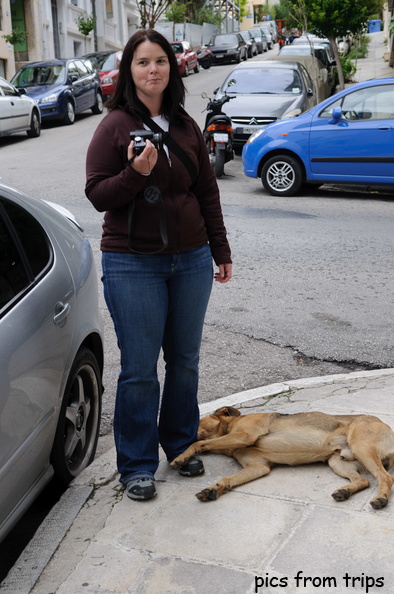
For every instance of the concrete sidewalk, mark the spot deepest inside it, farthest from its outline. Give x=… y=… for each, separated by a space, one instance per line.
x=257 y=538
x=275 y=528
x=374 y=65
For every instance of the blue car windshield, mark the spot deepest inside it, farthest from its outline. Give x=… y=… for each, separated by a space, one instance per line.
x=35 y=76
x=263 y=81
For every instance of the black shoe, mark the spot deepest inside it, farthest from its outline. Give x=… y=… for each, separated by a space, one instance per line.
x=194 y=467
x=141 y=488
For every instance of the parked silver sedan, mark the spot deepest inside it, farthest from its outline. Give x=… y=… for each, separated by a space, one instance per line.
x=51 y=351
x=265 y=91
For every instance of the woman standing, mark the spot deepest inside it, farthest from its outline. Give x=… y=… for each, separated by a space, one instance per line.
x=163 y=225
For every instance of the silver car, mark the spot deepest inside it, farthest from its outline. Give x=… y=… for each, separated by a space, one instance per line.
x=265 y=91
x=18 y=112
x=51 y=351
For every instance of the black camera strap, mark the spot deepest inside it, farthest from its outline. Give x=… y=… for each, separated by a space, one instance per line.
x=152 y=194
x=173 y=146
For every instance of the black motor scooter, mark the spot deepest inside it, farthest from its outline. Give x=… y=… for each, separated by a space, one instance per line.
x=218 y=133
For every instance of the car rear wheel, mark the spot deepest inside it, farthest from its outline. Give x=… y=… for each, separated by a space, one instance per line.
x=98 y=106
x=282 y=175
x=35 y=125
x=79 y=421
x=69 y=118
x=197 y=68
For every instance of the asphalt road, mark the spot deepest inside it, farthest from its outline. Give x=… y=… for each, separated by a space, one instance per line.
x=312 y=292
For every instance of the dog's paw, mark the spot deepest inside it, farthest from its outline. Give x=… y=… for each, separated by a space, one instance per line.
x=207 y=495
x=179 y=462
x=379 y=502
x=341 y=494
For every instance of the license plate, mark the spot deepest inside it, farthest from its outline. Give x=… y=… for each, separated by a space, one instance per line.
x=218 y=137
x=249 y=130
x=219 y=55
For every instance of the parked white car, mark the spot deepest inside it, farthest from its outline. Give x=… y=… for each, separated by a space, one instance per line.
x=18 y=112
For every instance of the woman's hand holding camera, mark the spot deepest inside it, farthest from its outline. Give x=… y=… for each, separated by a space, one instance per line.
x=145 y=161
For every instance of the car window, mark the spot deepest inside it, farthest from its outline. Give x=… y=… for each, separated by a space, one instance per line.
x=73 y=70
x=39 y=75
x=264 y=80
x=89 y=66
x=6 y=89
x=24 y=251
x=108 y=63
x=177 y=47
x=224 y=40
x=81 y=66
x=371 y=103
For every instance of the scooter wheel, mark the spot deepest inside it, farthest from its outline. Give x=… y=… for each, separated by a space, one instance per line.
x=219 y=161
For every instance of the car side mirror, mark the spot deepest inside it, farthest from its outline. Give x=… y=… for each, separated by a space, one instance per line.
x=310 y=92
x=336 y=115
x=333 y=63
x=73 y=78
x=21 y=91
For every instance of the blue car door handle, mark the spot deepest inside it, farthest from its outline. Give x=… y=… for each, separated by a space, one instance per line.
x=61 y=312
x=384 y=128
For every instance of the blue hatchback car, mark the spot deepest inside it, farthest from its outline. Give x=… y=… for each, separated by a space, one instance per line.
x=346 y=139
x=62 y=88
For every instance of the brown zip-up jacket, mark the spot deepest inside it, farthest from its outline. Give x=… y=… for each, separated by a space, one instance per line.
x=193 y=211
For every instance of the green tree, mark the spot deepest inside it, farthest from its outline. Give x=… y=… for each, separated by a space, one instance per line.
x=85 y=24
x=332 y=19
x=15 y=38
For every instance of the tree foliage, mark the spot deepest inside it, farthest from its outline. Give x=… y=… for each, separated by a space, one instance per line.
x=85 y=23
x=333 y=19
x=15 y=37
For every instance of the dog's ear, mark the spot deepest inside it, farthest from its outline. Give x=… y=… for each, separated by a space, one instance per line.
x=227 y=411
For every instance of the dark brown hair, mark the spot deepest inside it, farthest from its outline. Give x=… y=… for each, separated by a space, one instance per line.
x=125 y=91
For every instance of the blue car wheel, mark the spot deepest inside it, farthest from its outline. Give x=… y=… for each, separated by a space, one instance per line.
x=282 y=175
x=69 y=117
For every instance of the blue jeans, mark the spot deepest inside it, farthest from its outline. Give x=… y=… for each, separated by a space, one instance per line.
x=156 y=301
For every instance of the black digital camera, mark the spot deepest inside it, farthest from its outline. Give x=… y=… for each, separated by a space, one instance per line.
x=140 y=136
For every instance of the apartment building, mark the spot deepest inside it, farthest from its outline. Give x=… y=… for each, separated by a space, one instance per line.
x=52 y=32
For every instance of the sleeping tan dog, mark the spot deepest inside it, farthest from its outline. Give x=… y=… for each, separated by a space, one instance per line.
x=349 y=443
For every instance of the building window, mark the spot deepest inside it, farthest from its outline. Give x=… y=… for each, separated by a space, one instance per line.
x=109 y=9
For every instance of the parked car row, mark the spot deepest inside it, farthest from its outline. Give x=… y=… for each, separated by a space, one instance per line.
x=48 y=90
x=61 y=88
x=238 y=46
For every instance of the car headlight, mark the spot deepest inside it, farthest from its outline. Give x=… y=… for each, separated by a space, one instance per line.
x=109 y=80
x=255 y=135
x=291 y=114
x=179 y=60
x=232 y=51
x=49 y=98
